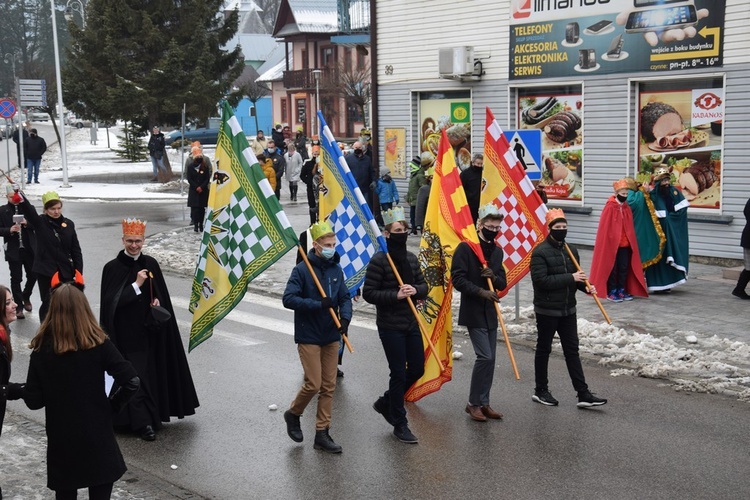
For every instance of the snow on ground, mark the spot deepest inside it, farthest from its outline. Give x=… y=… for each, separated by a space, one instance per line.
x=712 y=364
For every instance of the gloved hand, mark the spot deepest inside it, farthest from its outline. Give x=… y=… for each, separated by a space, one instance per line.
x=15 y=391
x=487 y=273
x=122 y=394
x=344 y=330
x=489 y=295
x=326 y=303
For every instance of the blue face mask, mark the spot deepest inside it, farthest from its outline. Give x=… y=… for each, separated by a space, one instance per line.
x=327 y=253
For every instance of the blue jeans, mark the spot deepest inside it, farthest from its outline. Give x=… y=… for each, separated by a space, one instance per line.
x=158 y=165
x=32 y=168
x=405 y=353
x=484 y=341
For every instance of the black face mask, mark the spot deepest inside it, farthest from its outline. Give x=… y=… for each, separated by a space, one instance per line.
x=489 y=235
x=358 y=152
x=398 y=239
x=558 y=234
x=621 y=198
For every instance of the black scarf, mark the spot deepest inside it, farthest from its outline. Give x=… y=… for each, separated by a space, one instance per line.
x=399 y=255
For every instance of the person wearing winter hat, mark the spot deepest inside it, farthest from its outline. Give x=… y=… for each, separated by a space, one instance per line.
x=198 y=174
x=555 y=282
x=300 y=142
x=19 y=250
x=744 y=279
x=386 y=190
x=477 y=311
x=416 y=181
x=57 y=248
x=397 y=327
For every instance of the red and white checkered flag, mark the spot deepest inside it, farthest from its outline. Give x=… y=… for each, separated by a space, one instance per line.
x=506 y=184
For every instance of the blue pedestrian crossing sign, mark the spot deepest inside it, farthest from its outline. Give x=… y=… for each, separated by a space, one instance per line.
x=7 y=109
x=527 y=144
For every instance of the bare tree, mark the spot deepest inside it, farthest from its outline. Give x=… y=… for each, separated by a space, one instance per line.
x=254 y=91
x=351 y=84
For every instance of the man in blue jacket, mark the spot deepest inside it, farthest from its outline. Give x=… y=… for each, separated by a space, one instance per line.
x=316 y=334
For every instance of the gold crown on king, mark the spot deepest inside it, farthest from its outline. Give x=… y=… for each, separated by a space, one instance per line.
x=396 y=214
x=554 y=215
x=134 y=227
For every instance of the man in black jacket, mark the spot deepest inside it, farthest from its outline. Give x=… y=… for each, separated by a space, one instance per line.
x=33 y=149
x=471 y=179
x=20 y=257
x=156 y=147
x=556 y=279
x=478 y=312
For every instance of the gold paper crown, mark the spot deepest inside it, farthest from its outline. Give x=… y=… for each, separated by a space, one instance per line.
x=489 y=209
x=621 y=184
x=396 y=214
x=320 y=229
x=661 y=173
x=134 y=227
x=554 y=215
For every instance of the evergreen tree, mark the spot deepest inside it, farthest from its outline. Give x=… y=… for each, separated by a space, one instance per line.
x=140 y=60
x=133 y=147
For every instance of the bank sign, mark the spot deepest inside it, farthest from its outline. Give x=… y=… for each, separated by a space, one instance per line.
x=557 y=38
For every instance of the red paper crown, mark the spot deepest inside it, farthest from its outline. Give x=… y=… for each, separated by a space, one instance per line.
x=553 y=215
x=621 y=184
x=134 y=227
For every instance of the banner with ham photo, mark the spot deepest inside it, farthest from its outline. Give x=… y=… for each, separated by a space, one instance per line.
x=680 y=127
x=507 y=186
x=448 y=221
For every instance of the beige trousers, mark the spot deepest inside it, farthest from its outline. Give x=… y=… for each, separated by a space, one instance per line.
x=320 y=364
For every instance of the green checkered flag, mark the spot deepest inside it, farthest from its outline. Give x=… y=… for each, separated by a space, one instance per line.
x=246 y=230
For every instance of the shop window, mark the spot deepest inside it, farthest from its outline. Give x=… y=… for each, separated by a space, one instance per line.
x=557 y=162
x=301 y=110
x=679 y=127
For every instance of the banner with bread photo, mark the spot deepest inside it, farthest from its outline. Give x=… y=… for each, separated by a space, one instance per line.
x=680 y=128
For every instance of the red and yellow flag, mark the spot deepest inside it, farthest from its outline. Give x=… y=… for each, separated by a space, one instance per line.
x=447 y=222
x=506 y=185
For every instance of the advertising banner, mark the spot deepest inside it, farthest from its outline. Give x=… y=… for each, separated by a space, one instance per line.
x=680 y=129
x=395 y=152
x=449 y=111
x=558 y=115
x=556 y=38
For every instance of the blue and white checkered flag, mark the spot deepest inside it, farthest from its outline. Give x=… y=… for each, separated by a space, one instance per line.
x=342 y=204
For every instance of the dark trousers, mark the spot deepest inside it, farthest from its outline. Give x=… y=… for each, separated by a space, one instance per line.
x=413 y=216
x=197 y=215
x=567 y=329
x=293 y=190
x=99 y=492
x=405 y=354
x=386 y=206
x=277 y=191
x=484 y=341
x=619 y=275
x=45 y=283
x=17 y=269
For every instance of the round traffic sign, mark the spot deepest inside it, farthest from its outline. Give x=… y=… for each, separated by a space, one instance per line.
x=7 y=108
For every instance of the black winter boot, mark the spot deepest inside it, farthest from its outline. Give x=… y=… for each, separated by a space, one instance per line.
x=324 y=442
x=739 y=290
x=292 y=426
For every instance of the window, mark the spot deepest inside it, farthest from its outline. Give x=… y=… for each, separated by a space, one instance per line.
x=283 y=110
x=301 y=110
x=347 y=57
x=327 y=57
x=305 y=63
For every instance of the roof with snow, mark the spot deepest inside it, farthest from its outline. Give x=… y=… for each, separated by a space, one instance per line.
x=276 y=72
x=257 y=47
x=306 y=16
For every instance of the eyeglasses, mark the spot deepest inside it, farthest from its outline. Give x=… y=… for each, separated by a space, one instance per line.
x=492 y=228
x=134 y=242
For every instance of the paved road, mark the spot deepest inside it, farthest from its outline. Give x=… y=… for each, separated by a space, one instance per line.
x=649 y=442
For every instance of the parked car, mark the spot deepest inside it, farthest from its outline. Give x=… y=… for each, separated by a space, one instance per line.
x=204 y=135
x=38 y=116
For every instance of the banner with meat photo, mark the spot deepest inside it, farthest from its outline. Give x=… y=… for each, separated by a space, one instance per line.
x=559 y=115
x=449 y=111
x=680 y=126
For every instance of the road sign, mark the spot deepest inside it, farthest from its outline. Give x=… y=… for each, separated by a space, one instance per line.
x=7 y=108
x=527 y=144
x=32 y=93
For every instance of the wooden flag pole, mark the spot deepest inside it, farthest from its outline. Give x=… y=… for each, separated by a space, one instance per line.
x=586 y=282
x=422 y=327
x=505 y=332
x=323 y=294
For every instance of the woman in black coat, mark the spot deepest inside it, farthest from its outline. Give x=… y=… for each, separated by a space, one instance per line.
x=70 y=355
x=198 y=174
x=739 y=290
x=397 y=326
x=57 y=247
x=8 y=391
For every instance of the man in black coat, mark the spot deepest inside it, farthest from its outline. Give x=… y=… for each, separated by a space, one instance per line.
x=15 y=137
x=277 y=136
x=131 y=284
x=478 y=313
x=361 y=167
x=20 y=257
x=471 y=179
x=198 y=174
x=156 y=147
x=33 y=149
x=556 y=279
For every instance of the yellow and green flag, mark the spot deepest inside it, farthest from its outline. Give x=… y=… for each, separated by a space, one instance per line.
x=246 y=231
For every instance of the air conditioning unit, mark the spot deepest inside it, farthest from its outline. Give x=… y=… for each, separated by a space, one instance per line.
x=456 y=61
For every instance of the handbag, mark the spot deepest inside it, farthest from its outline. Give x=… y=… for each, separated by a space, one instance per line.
x=158 y=316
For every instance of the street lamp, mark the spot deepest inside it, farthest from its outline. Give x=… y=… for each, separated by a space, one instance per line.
x=316 y=73
x=60 y=113
x=72 y=6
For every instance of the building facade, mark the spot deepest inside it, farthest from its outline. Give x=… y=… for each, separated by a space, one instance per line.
x=598 y=90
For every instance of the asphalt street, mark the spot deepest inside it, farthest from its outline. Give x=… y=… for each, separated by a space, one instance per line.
x=648 y=442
